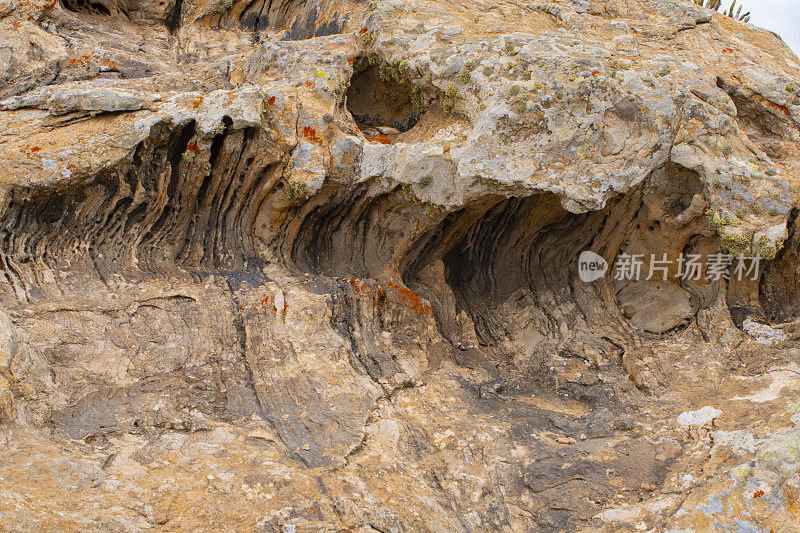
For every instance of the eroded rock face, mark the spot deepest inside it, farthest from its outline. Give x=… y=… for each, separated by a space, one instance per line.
x=315 y=265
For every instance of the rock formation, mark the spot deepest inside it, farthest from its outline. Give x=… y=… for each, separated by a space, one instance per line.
x=314 y=266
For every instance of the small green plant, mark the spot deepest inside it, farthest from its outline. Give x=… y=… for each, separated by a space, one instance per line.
x=488 y=71
x=449 y=97
x=732 y=12
x=287 y=170
x=615 y=64
x=425 y=180
x=768 y=250
x=366 y=38
x=407 y=192
x=520 y=104
x=464 y=76
x=716 y=220
x=514 y=90
x=188 y=156
x=734 y=243
x=397 y=73
x=417 y=100
x=298 y=190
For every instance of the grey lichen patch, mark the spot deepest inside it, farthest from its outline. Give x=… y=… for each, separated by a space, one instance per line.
x=780 y=454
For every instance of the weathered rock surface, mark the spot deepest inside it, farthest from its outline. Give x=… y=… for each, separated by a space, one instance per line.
x=311 y=266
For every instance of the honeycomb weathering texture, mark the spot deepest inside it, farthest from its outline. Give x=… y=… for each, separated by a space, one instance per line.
x=314 y=266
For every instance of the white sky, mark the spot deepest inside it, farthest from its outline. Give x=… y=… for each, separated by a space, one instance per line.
x=780 y=16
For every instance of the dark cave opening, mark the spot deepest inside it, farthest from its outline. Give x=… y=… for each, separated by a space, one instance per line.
x=779 y=285
x=86 y=7
x=301 y=19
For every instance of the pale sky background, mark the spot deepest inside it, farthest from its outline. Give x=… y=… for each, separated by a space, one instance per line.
x=780 y=16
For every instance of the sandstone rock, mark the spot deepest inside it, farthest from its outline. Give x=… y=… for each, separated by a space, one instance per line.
x=315 y=266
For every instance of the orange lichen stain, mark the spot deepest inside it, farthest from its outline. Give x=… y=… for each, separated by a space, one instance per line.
x=271 y=100
x=413 y=299
x=28 y=150
x=352 y=60
x=195 y=104
x=773 y=105
x=309 y=84
x=758 y=494
x=727 y=50
x=365 y=289
x=362 y=31
x=311 y=134
x=193 y=148
x=595 y=73
x=383 y=139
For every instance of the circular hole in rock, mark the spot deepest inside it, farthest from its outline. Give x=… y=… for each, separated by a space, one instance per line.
x=382 y=100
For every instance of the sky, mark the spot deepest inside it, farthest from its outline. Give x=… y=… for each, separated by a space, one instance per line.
x=780 y=16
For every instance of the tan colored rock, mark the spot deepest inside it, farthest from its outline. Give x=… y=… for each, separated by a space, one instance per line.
x=314 y=266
